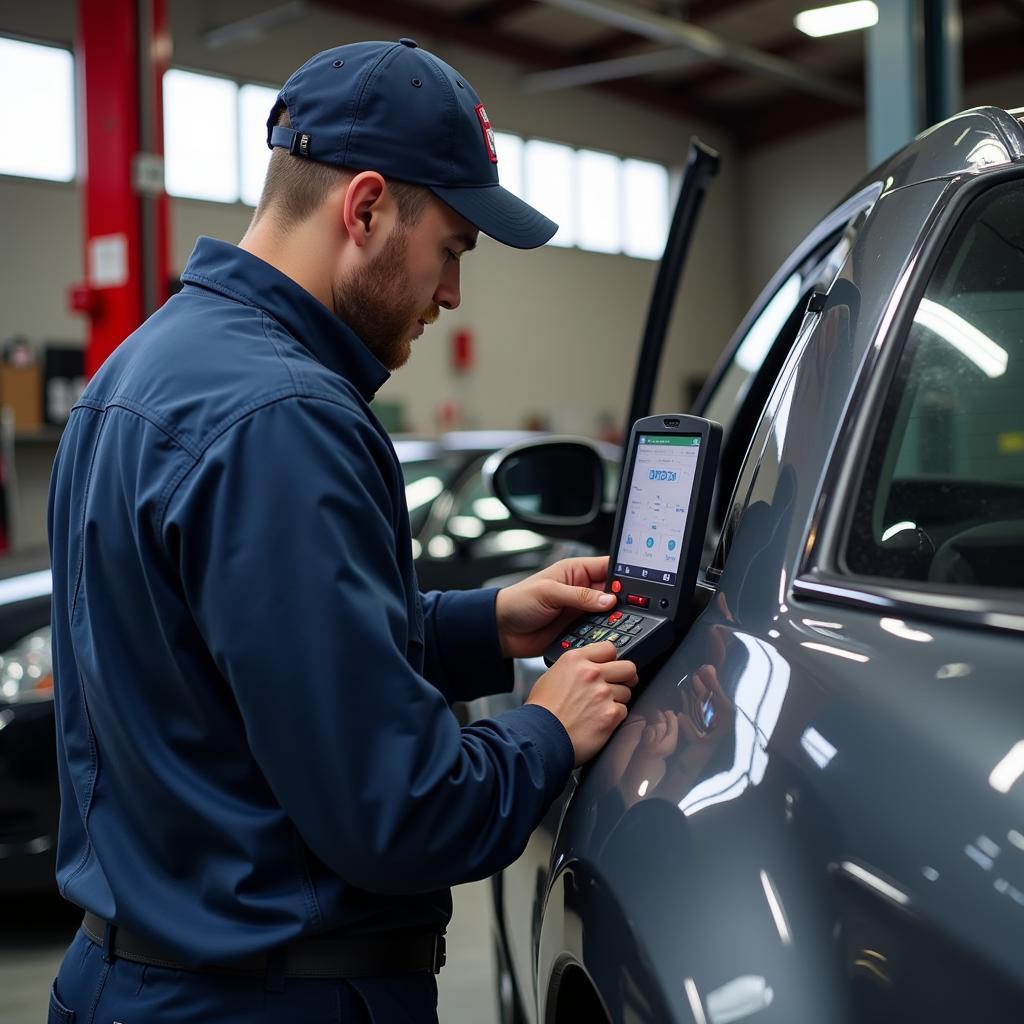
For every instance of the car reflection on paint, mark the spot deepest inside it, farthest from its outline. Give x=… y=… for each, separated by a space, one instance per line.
x=815 y=808
x=461 y=537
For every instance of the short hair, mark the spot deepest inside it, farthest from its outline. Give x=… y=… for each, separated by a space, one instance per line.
x=296 y=187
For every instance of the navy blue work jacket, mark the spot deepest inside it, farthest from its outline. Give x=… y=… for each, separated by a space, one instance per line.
x=253 y=722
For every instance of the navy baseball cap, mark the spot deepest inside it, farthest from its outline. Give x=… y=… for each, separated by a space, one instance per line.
x=399 y=110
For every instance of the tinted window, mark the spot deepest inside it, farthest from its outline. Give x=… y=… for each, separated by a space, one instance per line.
x=942 y=501
x=742 y=389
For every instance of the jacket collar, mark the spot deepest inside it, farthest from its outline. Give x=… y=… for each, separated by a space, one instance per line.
x=231 y=271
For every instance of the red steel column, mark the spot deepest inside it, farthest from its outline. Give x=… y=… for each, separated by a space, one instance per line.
x=121 y=52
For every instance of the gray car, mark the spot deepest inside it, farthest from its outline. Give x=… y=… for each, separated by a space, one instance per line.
x=815 y=812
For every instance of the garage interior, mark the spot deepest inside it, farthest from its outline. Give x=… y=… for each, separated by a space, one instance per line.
x=545 y=340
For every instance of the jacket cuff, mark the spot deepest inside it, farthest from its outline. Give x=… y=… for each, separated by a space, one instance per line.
x=469 y=647
x=550 y=740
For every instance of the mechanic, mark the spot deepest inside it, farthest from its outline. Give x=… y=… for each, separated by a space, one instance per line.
x=265 y=794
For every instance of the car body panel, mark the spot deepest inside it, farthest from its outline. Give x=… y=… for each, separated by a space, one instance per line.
x=831 y=847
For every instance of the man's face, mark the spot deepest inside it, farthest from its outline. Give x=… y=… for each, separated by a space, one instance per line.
x=402 y=289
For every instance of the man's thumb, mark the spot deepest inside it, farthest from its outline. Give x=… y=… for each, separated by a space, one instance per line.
x=588 y=600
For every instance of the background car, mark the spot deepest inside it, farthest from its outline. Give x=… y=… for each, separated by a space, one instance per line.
x=813 y=812
x=461 y=537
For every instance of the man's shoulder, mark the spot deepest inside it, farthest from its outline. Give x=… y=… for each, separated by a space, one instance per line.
x=201 y=362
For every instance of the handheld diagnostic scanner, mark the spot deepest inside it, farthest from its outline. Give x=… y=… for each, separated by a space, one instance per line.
x=660 y=522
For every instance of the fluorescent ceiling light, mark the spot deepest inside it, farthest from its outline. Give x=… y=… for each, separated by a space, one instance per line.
x=829 y=21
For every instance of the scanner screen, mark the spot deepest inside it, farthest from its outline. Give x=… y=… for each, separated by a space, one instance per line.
x=657 y=506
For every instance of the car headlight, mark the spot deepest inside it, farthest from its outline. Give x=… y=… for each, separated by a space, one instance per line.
x=26 y=669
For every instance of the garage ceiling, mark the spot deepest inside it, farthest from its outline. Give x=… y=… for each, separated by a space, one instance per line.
x=756 y=76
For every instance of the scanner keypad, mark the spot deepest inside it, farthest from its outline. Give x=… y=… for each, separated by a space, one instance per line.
x=619 y=627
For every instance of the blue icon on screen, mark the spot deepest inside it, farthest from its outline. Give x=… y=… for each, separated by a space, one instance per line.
x=629 y=538
x=671 y=545
x=650 y=542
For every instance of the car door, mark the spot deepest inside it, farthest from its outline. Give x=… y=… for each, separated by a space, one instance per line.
x=912 y=604
x=828 y=827
x=735 y=395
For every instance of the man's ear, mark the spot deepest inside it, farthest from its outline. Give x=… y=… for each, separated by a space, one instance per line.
x=361 y=210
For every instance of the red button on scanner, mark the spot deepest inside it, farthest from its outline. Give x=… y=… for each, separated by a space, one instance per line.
x=615 y=616
x=566 y=645
x=636 y=599
x=616 y=586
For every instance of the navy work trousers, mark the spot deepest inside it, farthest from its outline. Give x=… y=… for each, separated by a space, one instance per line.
x=88 y=990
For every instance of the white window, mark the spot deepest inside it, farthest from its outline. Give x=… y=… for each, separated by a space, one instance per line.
x=599 y=201
x=215 y=147
x=550 y=179
x=645 y=187
x=254 y=105
x=200 y=136
x=510 y=162
x=39 y=137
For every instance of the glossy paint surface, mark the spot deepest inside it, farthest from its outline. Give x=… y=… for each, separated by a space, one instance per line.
x=811 y=813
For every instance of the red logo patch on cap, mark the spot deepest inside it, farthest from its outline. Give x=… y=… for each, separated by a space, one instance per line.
x=485 y=124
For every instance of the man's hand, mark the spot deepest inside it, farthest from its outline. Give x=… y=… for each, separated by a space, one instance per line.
x=587 y=690
x=531 y=614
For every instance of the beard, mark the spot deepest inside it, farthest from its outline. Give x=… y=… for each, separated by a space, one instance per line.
x=375 y=305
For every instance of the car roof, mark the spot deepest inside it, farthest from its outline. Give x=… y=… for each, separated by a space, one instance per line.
x=971 y=141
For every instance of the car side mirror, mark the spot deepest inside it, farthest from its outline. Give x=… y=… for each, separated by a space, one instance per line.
x=555 y=486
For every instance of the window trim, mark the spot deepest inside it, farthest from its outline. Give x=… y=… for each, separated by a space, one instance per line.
x=805 y=257
x=820 y=574
x=835 y=222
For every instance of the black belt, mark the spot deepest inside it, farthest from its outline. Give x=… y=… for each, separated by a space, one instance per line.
x=327 y=956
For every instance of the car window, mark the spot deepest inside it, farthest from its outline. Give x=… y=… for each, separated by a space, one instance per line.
x=425 y=479
x=942 y=497
x=740 y=392
x=477 y=515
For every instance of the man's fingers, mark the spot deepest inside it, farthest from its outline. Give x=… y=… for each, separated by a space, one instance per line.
x=621 y=694
x=621 y=672
x=602 y=651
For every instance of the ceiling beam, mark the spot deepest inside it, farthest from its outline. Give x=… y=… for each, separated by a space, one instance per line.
x=618 y=69
x=789 y=116
x=661 y=29
x=790 y=46
x=408 y=18
x=492 y=11
x=696 y=11
x=254 y=27
x=787 y=47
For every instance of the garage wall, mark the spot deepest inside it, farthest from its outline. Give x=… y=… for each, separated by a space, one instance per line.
x=785 y=189
x=556 y=330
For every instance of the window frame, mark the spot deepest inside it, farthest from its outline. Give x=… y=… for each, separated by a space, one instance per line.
x=821 y=574
x=808 y=256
